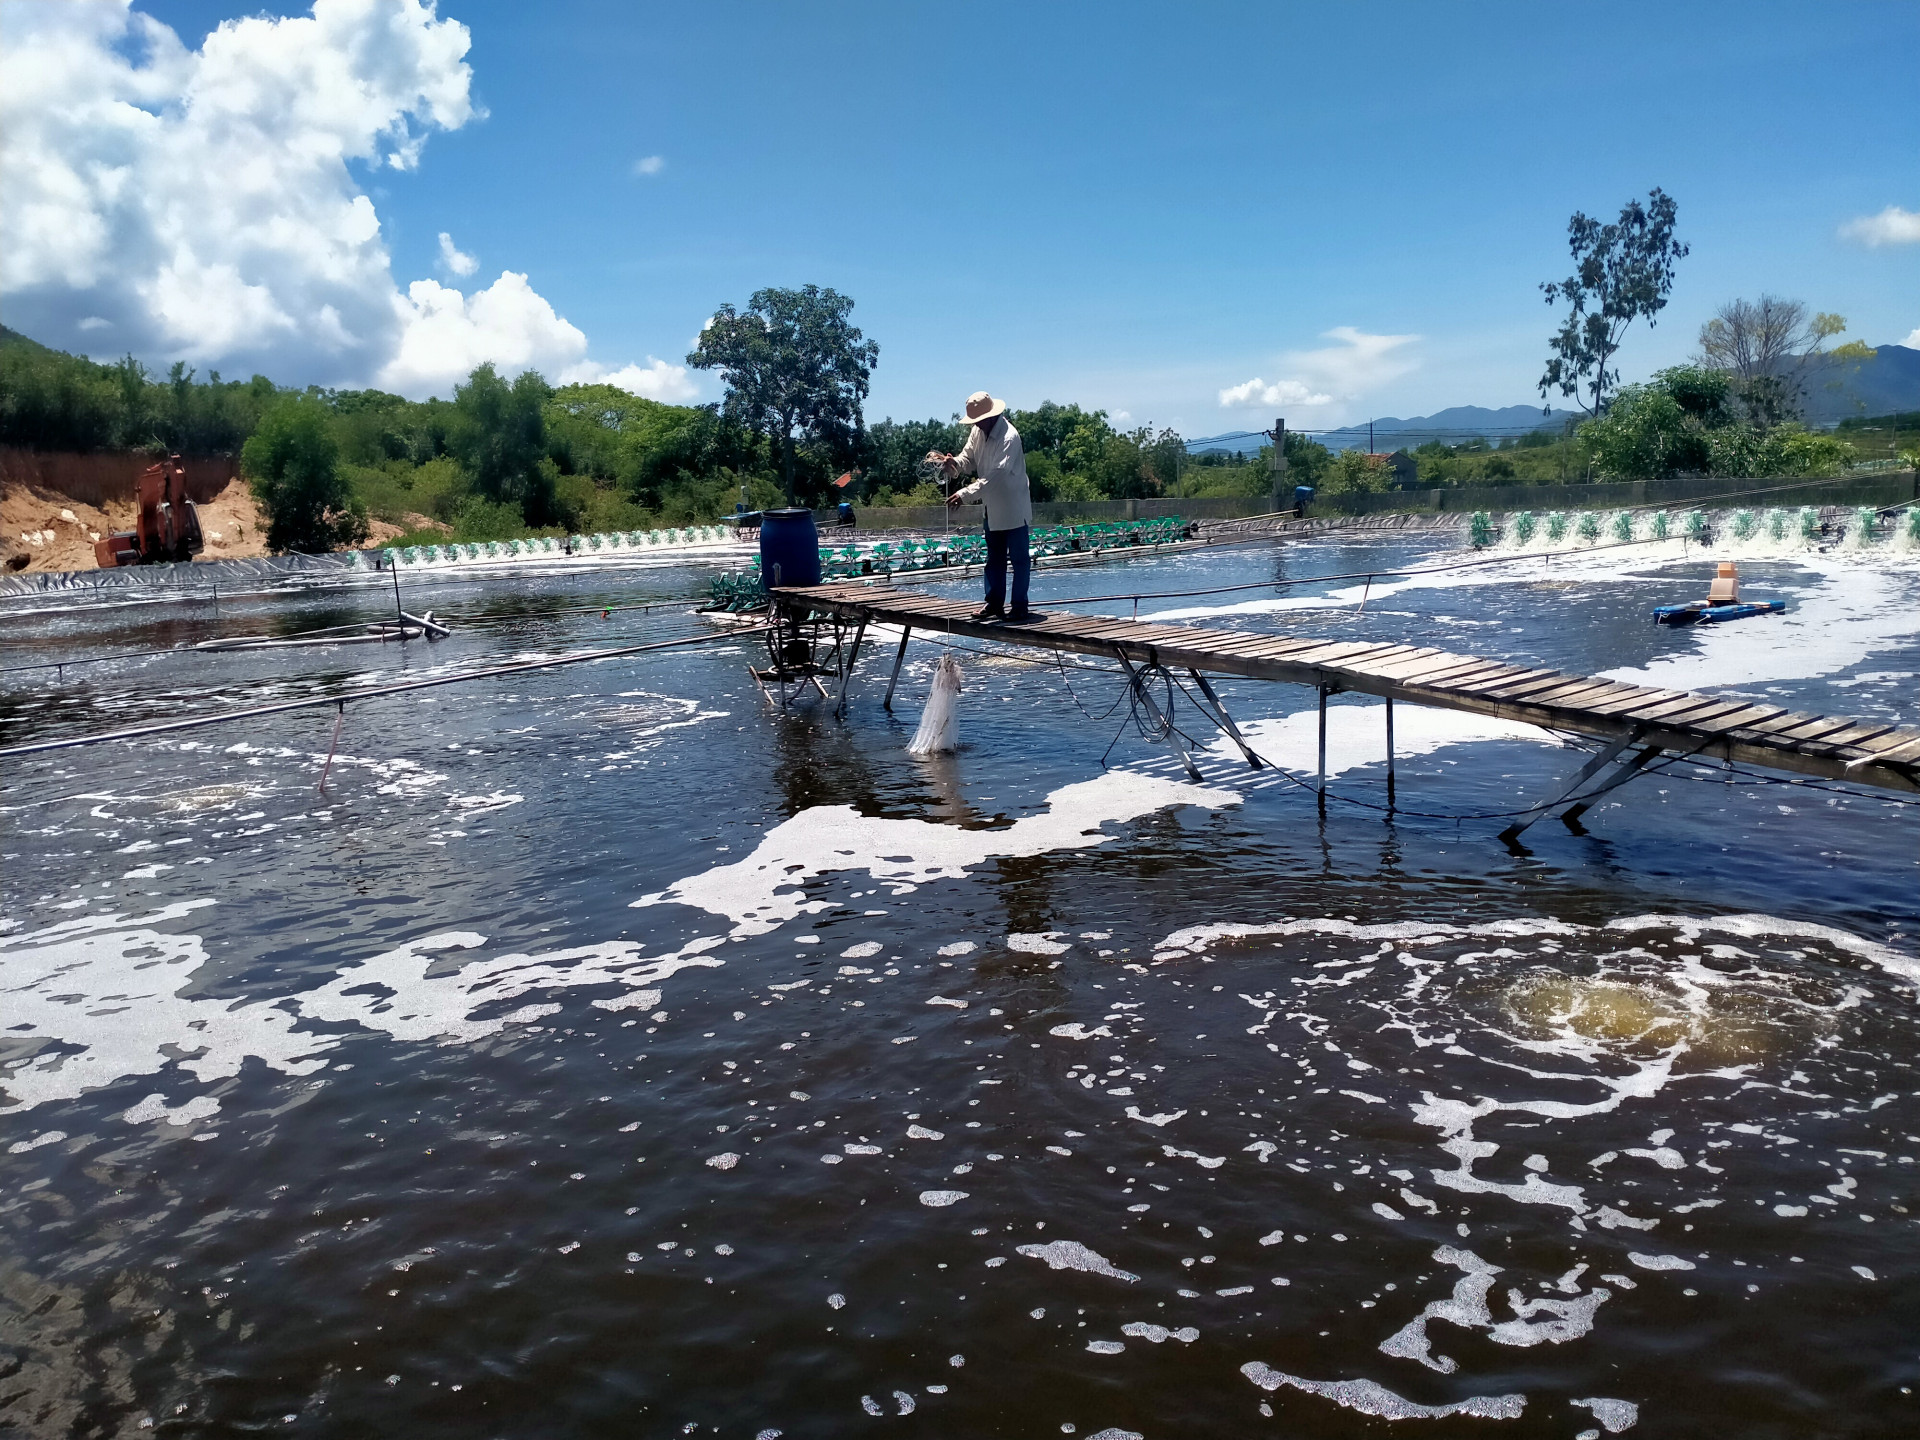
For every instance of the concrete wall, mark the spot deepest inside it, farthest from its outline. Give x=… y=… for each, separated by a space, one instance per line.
x=1057 y=512
x=1886 y=487
x=104 y=476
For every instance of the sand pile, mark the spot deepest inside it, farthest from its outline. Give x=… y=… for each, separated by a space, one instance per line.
x=40 y=529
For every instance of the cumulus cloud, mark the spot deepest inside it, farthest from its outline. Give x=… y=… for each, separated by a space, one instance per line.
x=1281 y=392
x=1892 y=226
x=655 y=380
x=456 y=260
x=444 y=334
x=1356 y=363
x=649 y=165
x=202 y=204
x=1912 y=342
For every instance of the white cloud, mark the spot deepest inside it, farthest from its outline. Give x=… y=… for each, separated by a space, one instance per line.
x=204 y=205
x=1343 y=371
x=1282 y=392
x=1892 y=226
x=1912 y=342
x=444 y=334
x=456 y=260
x=649 y=165
x=655 y=380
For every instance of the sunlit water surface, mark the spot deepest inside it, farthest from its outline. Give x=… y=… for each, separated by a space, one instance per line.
x=607 y=1053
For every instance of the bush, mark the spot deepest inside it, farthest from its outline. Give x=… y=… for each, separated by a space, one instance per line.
x=292 y=465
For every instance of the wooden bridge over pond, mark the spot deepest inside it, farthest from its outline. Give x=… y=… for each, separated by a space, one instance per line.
x=1635 y=724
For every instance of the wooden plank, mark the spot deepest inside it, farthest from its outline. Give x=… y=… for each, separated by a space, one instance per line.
x=1521 y=673
x=1891 y=742
x=1476 y=672
x=1848 y=739
x=1772 y=732
x=1494 y=673
x=1407 y=671
x=1672 y=710
x=1688 y=719
x=1813 y=730
x=1529 y=688
x=1570 y=698
x=1746 y=714
x=1639 y=699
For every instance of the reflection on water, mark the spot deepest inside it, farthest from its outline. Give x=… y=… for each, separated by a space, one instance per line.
x=607 y=1053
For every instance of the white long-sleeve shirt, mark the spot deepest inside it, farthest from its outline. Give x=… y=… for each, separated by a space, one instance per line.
x=1001 y=464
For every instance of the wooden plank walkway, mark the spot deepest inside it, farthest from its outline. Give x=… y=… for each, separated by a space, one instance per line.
x=1864 y=752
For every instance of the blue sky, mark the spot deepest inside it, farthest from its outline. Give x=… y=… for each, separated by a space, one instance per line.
x=1139 y=207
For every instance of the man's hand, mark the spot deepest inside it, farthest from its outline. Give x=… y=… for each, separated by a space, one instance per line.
x=953 y=501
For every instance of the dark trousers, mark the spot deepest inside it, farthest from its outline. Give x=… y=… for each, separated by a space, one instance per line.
x=1001 y=543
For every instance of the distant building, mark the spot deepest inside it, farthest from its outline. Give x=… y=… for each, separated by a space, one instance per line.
x=1406 y=470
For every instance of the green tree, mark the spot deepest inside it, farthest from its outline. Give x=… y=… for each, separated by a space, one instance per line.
x=796 y=369
x=499 y=436
x=292 y=465
x=1622 y=272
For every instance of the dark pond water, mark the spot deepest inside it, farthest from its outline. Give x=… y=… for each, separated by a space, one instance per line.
x=605 y=1052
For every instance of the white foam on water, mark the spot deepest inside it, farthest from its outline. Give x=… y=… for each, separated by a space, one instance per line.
x=1105 y=1347
x=1659 y=1262
x=155 y=1107
x=766 y=889
x=1072 y=1255
x=105 y=996
x=1357 y=736
x=1371 y=1398
x=109 y=996
x=940 y=1199
x=49 y=1137
x=1613 y=1415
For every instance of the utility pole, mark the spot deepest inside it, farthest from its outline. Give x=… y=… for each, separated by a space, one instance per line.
x=1369 y=437
x=1279 y=465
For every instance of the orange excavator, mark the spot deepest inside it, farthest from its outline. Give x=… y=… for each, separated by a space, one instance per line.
x=168 y=526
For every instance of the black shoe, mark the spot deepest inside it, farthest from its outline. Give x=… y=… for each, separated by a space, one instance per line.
x=1025 y=617
x=986 y=613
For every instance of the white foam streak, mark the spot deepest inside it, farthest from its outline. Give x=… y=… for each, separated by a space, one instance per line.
x=765 y=890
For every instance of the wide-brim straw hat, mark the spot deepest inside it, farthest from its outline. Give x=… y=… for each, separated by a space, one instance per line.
x=982 y=406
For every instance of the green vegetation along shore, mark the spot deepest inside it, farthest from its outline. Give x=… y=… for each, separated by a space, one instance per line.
x=509 y=458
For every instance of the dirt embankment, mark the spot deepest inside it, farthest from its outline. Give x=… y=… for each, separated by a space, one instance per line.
x=42 y=529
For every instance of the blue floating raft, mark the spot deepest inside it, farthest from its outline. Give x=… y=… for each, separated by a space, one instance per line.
x=1699 y=612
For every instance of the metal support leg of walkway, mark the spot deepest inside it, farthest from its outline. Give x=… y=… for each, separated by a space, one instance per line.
x=1389 y=750
x=846 y=668
x=894 y=679
x=1226 y=720
x=1161 y=721
x=1587 y=771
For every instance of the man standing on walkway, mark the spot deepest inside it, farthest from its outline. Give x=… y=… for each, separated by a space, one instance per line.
x=993 y=452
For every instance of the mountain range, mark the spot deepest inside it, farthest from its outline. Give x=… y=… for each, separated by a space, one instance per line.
x=1832 y=391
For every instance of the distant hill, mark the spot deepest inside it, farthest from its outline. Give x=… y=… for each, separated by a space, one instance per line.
x=1461 y=422
x=1839 y=390
x=1453 y=425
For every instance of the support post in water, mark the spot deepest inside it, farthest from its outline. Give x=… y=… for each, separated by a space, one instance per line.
x=894 y=679
x=1320 y=783
x=398 y=613
x=339 y=718
x=1389 y=750
x=846 y=668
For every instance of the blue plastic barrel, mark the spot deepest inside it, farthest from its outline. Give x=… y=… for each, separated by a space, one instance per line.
x=789 y=548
